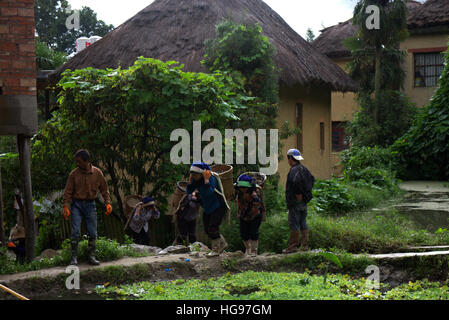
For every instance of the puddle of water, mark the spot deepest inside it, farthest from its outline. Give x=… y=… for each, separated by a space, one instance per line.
x=429 y=210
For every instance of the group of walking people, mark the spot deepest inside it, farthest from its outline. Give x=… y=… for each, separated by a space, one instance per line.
x=204 y=189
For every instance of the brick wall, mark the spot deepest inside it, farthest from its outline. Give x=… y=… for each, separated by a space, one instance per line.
x=17 y=48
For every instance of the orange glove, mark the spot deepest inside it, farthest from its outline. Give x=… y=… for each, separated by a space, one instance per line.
x=206 y=175
x=11 y=244
x=66 y=213
x=108 y=209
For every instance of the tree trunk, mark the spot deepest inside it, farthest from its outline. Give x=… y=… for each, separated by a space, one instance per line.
x=2 y=230
x=25 y=160
x=115 y=186
x=377 y=84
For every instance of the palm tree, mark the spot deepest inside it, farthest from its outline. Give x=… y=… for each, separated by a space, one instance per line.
x=382 y=41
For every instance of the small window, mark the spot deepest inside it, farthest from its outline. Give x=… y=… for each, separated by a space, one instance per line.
x=428 y=69
x=322 y=135
x=340 y=140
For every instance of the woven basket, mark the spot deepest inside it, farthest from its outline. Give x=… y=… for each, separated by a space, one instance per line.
x=226 y=177
x=131 y=203
x=180 y=192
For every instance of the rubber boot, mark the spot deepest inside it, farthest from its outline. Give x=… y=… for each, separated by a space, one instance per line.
x=254 y=245
x=304 y=240
x=247 y=248
x=293 y=242
x=74 y=259
x=215 y=248
x=223 y=244
x=91 y=247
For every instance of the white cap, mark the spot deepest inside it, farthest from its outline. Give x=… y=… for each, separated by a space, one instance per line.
x=295 y=154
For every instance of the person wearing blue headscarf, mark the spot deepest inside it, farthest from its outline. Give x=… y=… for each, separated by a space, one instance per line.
x=214 y=208
x=138 y=226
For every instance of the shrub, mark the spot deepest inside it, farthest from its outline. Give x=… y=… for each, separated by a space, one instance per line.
x=371 y=165
x=331 y=197
x=423 y=152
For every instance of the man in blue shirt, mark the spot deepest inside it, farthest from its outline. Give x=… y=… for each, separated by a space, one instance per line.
x=212 y=202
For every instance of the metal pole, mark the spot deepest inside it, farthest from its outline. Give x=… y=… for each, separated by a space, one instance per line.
x=25 y=165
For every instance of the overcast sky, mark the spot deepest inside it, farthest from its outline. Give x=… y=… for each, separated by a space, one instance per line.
x=299 y=14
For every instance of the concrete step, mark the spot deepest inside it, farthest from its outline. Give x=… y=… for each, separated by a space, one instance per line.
x=400 y=255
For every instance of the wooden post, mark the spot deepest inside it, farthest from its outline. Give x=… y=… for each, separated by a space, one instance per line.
x=2 y=230
x=23 y=143
x=47 y=104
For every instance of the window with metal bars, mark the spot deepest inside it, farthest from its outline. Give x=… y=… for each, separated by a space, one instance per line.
x=340 y=140
x=428 y=68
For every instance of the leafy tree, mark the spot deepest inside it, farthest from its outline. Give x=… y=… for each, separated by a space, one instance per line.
x=245 y=50
x=385 y=112
x=47 y=58
x=423 y=151
x=126 y=117
x=51 y=17
x=310 y=35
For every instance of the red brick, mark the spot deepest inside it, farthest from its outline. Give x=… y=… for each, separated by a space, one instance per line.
x=8 y=47
x=23 y=30
x=26 y=12
x=4 y=28
x=4 y=64
x=9 y=11
x=28 y=82
x=10 y=82
x=27 y=48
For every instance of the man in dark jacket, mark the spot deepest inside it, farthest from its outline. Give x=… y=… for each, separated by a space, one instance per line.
x=298 y=193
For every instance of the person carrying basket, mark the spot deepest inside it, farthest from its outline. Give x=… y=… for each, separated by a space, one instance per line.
x=250 y=209
x=212 y=201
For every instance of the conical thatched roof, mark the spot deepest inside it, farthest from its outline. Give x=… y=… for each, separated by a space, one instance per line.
x=330 y=40
x=177 y=30
x=433 y=13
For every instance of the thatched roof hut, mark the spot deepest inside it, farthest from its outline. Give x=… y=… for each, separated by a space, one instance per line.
x=330 y=40
x=177 y=30
x=432 y=14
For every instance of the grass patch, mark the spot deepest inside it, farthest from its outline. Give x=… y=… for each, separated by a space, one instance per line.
x=252 y=285
x=107 y=250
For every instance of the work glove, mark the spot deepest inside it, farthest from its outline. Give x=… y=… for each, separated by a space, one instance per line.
x=11 y=245
x=66 y=213
x=108 y=209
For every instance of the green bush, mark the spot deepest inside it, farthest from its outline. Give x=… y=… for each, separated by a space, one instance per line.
x=332 y=197
x=423 y=152
x=373 y=165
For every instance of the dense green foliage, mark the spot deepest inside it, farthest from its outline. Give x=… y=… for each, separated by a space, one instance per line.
x=107 y=250
x=51 y=17
x=376 y=64
x=252 y=285
x=47 y=58
x=395 y=118
x=423 y=152
x=244 y=50
x=126 y=117
x=370 y=167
